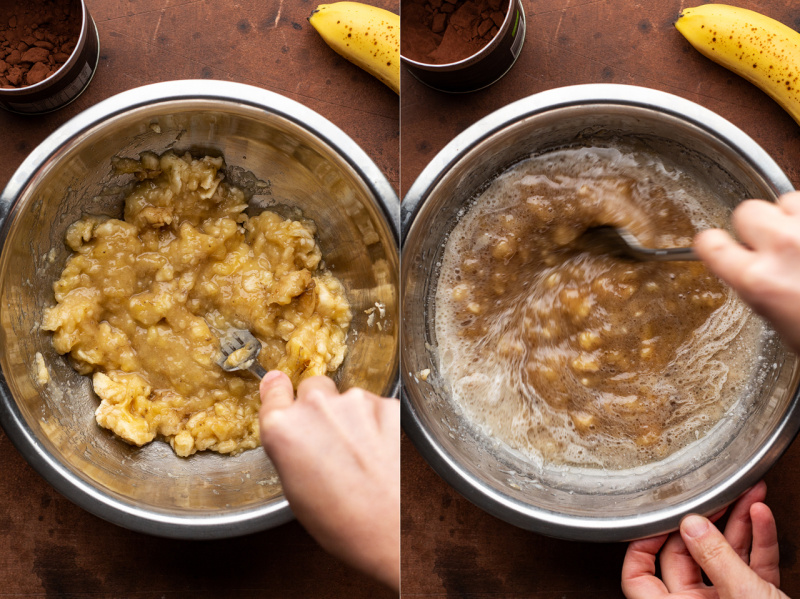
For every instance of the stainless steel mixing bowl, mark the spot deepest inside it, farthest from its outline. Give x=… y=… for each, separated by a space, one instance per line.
x=307 y=164
x=586 y=504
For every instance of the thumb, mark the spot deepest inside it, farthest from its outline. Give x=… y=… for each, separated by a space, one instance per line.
x=732 y=578
x=276 y=392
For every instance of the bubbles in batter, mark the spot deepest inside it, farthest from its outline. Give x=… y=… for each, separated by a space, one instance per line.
x=574 y=356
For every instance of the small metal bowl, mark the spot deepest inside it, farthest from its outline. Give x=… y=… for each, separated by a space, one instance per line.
x=308 y=164
x=483 y=68
x=587 y=505
x=66 y=84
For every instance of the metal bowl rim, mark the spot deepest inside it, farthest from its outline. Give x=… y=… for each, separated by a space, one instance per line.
x=582 y=95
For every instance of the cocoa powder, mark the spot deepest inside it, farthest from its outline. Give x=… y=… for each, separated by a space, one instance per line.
x=36 y=39
x=445 y=31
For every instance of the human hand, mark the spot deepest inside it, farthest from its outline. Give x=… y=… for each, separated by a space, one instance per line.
x=338 y=457
x=742 y=564
x=765 y=273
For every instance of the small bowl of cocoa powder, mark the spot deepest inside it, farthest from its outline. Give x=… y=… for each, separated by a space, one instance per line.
x=48 y=53
x=461 y=45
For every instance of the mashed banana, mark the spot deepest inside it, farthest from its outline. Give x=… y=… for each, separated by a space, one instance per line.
x=142 y=301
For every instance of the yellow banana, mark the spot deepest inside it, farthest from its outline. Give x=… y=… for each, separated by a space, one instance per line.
x=760 y=49
x=367 y=36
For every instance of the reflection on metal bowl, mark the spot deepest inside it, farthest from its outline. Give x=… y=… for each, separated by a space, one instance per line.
x=309 y=165
x=587 y=504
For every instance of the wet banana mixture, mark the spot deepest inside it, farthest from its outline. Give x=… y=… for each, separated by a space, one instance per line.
x=571 y=354
x=142 y=301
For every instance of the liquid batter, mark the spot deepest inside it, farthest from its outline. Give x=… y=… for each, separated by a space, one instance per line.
x=575 y=356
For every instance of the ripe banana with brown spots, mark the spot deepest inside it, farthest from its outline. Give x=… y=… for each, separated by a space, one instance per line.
x=367 y=36
x=760 y=49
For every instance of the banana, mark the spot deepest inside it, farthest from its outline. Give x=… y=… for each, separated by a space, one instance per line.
x=760 y=49
x=367 y=36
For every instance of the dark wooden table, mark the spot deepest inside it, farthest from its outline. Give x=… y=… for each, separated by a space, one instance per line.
x=50 y=547
x=450 y=547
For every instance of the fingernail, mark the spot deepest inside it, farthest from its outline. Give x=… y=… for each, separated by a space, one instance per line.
x=694 y=526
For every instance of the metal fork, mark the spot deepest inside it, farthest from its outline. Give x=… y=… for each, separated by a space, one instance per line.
x=240 y=352
x=620 y=241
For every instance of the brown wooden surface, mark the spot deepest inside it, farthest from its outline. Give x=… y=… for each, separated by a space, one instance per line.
x=50 y=547
x=450 y=547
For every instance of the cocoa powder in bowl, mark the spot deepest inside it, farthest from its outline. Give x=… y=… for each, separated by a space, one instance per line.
x=447 y=31
x=36 y=38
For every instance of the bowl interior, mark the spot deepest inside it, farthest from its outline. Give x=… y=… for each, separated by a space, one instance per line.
x=569 y=502
x=287 y=167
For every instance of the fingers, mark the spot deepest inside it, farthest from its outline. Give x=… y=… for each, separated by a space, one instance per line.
x=729 y=574
x=717 y=515
x=761 y=225
x=316 y=387
x=790 y=203
x=678 y=569
x=639 y=569
x=389 y=415
x=362 y=394
x=739 y=529
x=758 y=224
x=723 y=255
x=765 y=557
x=383 y=409
x=755 y=222
x=276 y=392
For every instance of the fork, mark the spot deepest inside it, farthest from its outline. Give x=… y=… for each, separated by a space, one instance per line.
x=239 y=351
x=620 y=241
